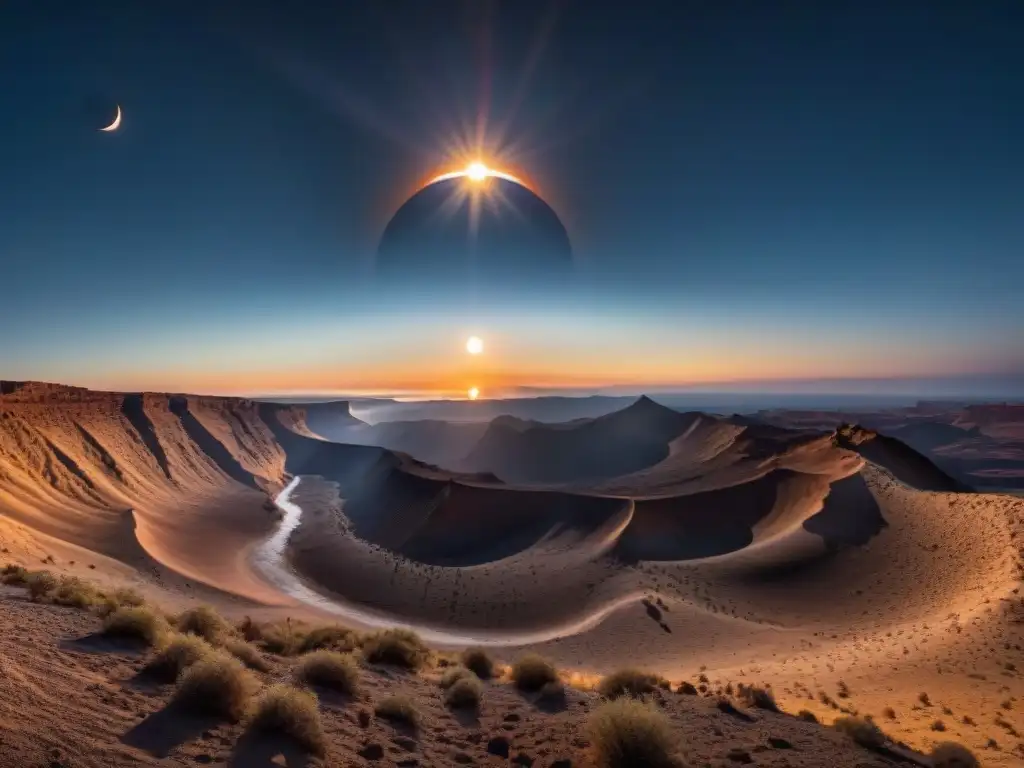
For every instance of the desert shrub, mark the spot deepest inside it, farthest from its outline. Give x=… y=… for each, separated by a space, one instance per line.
x=330 y=669
x=217 y=685
x=452 y=675
x=203 y=621
x=807 y=716
x=532 y=671
x=464 y=693
x=629 y=682
x=862 y=731
x=479 y=662
x=40 y=584
x=291 y=712
x=331 y=638
x=105 y=604
x=246 y=654
x=687 y=688
x=135 y=622
x=951 y=755
x=14 y=575
x=73 y=591
x=761 y=698
x=626 y=733
x=128 y=596
x=249 y=630
x=282 y=639
x=397 y=647
x=552 y=694
x=724 y=704
x=176 y=655
x=938 y=725
x=398 y=709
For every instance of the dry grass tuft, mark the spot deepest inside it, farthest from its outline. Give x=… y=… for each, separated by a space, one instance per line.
x=453 y=674
x=176 y=655
x=291 y=712
x=532 y=672
x=479 y=662
x=137 y=623
x=204 y=622
x=250 y=631
x=951 y=755
x=862 y=731
x=552 y=694
x=217 y=685
x=14 y=575
x=761 y=698
x=627 y=733
x=330 y=638
x=40 y=584
x=630 y=682
x=106 y=604
x=282 y=639
x=329 y=669
x=73 y=591
x=247 y=654
x=398 y=709
x=396 y=647
x=465 y=692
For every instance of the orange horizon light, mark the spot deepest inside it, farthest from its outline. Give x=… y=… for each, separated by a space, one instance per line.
x=477 y=171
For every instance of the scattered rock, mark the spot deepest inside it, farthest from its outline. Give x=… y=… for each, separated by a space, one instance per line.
x=462 y=758
x=778 y=743
x=363 y=717
x=371 y=752
x=740 y=756
x=499 y=746
x=523 y=759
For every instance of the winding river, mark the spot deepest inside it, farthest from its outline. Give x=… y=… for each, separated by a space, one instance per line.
x=271 y=561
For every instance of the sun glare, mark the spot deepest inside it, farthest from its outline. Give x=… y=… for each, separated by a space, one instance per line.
x=474 y=345
x=473 y=393
x=477 y=172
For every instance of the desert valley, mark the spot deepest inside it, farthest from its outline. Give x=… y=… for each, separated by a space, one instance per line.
x=851 y=571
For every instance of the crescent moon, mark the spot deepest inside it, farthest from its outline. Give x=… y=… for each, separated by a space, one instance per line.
x=117 y=122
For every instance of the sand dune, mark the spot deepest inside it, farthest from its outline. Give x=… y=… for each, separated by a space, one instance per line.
x=797 y=557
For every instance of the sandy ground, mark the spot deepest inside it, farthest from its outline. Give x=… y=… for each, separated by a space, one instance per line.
x=836 y=568
x=56 y=671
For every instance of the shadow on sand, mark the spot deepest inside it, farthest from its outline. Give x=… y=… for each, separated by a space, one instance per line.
x=267 y=752
x=99 y=643
x=166 y=729
x=467 y=717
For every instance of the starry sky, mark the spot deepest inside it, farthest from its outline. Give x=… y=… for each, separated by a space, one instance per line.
x=756 y=193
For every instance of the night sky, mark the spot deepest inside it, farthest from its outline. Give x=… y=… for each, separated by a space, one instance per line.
x=754 y=192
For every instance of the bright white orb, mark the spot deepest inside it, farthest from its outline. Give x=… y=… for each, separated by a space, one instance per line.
x=473 y=393
x=476 y=171
x=474 y=345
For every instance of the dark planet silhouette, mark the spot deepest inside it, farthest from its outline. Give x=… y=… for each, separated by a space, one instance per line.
x=481 y=236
